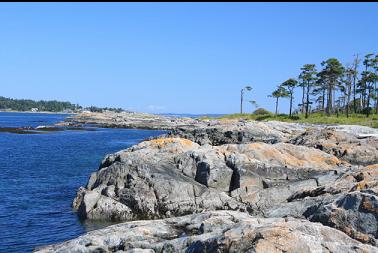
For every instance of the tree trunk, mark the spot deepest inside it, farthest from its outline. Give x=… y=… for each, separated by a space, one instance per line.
x=361 y=104
x=329 y=100
x=333 y=105
x=356 y=61
x=363 y=97
x=348 y=101
x=376 y=98
x=354 y=96
x=368 y=102
x=364 y=91
x=241 y=101
x=276 y=106
x=303 y=99
x=291 y=103
x=307 y=99
x=323 y=99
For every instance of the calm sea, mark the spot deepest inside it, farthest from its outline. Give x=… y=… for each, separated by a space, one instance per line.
x=40 y=174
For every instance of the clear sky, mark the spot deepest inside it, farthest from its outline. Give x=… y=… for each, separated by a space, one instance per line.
x=173 y=57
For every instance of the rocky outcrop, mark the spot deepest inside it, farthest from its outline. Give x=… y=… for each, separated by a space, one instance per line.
x=353 y=144
x=348 y=203
x=308 y=188
x=217 y=231
x=174 y=176
x=169 y=177
x=132 y=120
x=238 y=132
x=347 y=145
x=146 y=182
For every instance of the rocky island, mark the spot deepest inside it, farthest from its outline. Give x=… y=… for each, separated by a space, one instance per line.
x=231 y=186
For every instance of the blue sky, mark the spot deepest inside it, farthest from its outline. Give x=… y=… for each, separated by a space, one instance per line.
x=173 y=57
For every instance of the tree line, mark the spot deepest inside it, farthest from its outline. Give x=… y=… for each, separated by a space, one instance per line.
x=335 y=88
x=42 y=105
x=47 y=106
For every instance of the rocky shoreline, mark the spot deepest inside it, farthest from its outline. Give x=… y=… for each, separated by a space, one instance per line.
x=129 y=120
x=232 y=186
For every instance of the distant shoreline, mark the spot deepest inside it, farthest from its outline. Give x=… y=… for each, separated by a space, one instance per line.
x=40 y=112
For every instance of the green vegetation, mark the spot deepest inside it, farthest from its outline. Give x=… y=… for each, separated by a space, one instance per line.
x=316 y=118
x=261 y=111
x=333 y=87
x=337 y=94
x=47 y=106
x=99 y=109
x=28 y=104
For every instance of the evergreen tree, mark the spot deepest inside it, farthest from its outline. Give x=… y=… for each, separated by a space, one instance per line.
x=331 y=74
x=280 y=92
x=308 y=79
x=290 y=84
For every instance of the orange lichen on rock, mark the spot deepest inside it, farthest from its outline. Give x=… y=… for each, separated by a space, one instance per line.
x=360 y=186
x=255 y=145
x=330 y=160
x=372 y=166
x=162 y=142
x=170 y=145
x=368 y=205
x=292 y=156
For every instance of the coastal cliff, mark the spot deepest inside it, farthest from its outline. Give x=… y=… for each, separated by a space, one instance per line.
x=235 y=186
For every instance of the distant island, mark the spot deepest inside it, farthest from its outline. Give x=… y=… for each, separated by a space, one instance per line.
x=28 y=105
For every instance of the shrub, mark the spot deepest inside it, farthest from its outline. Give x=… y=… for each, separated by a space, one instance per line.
x=295 y=117
x=261 y=111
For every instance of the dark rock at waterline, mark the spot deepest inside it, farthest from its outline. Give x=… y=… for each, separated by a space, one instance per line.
x=42 y=129
x=18 y=130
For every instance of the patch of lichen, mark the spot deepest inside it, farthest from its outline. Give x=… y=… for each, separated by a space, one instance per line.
x=163 y=142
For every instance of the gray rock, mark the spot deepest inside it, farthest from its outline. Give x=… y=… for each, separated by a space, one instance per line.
x=173 y=176
x=342 y=144
x=269 y=169
x=355 y=213
x=350 y=204
x=233 y=132
x=217 y=231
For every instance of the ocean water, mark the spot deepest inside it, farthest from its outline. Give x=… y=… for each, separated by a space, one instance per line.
x=40 y=174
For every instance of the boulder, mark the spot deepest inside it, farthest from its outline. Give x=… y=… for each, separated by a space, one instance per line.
x=346 y=145
x=349 y=203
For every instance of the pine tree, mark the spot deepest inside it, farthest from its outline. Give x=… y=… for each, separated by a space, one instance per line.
x=290 y=85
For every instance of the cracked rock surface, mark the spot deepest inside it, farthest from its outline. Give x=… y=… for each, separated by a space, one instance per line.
x=216 y=231
x=174 y=176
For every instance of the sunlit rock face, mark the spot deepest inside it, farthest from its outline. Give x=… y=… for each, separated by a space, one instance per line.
x=214 y=231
